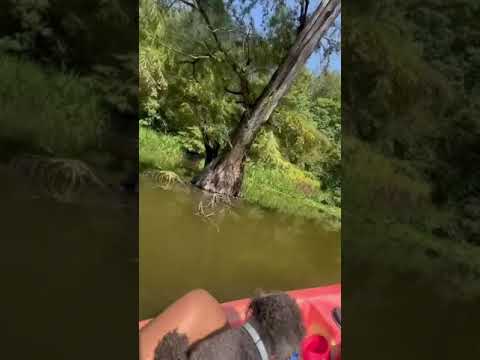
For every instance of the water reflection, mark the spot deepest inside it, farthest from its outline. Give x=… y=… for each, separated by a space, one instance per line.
x=67 y=267
x=230 y=255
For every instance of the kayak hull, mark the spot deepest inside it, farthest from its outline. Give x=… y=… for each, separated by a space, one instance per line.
x=316 y=304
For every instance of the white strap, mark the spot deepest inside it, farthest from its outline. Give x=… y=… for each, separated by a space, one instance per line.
x=256 y=339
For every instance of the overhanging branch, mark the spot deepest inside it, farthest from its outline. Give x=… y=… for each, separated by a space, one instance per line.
x=237 y=69
x=233 y=92
x=188 y=3
x=192 y=57
x=303 y=15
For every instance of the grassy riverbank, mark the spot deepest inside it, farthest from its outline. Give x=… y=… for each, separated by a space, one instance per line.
x=50 y=111
x=391 y=212
x=284 y=188
x=57 y=131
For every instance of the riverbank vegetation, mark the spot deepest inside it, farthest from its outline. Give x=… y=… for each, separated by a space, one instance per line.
x=199 y=86
x=69 y=92
x=51 y=111
x=411 y=142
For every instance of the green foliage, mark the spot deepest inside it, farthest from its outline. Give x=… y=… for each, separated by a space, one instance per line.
x=201 y=103
x=192 y=140
x=32 y=25
x=61 y=35
x=327 y=116
x=76 y=34
x=281 y=34
x=270 y=181
x=159 y=151
x=328 y=86
x=266 y=150
x=327 y=165
x=151 y=62
x=118 y=84
x=288 y=190
x=418 y=129
x=300 y=137
x=309 y=129
x=196 y=91
x=52 y=111
x=394 y=188
x=152 y=83
x=178 y=90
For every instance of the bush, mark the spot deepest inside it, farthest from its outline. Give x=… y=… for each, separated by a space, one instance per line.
x=289 y=190
x=392 y=189
x=52 y=112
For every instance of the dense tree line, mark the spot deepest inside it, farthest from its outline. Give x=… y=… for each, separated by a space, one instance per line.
x=411 y=116
x=95 y=39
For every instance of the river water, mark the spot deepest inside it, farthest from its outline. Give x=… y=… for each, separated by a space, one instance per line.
x=68 y=268
x=68 y=272
x=388 y=315
x=230 y=254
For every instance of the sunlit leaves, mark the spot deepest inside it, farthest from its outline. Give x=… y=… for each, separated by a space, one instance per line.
x=209 y=85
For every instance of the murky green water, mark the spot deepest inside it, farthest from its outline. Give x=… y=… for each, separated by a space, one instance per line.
x=67 y=269
x=393 y=315
x=230 y=256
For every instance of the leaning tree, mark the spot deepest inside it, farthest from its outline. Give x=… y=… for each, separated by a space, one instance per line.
x=224 y=175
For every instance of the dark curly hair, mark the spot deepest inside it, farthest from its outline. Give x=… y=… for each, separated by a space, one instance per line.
x=174 y=346
x=279 y=322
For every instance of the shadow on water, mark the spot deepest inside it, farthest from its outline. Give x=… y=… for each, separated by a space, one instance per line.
x=65 y=267
x=231 y=255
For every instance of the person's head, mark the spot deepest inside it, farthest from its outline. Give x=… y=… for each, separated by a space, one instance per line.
x=279 y=321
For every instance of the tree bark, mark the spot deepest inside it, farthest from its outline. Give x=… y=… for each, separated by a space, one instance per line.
x=224 y=175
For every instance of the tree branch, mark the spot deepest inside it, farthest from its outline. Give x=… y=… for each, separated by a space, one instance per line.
x=205 y=17
x=303 y=15
x=238 y=70
x=169 y=6
x=188 y=3
x=233 y=92
x=193 y=57
x=193 y=63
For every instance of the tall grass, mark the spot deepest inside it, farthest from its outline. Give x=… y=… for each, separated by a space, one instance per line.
x=288 y=190
x=392 y=189
x=159 y=151
x=390 y=213
x=47 y=110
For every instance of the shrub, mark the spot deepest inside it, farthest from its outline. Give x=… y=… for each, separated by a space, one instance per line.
x=160 y=151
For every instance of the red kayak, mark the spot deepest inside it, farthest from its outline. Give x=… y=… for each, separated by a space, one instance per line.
x=320 y=309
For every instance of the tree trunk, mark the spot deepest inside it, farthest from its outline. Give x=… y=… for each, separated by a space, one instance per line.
x=211 y=152
x=224 y=175
x=212 y=148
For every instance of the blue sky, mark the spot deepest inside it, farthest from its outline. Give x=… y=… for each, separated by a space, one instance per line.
x=335 y=62
x=314 y=62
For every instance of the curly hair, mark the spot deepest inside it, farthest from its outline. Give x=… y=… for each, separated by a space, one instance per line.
x=279 y=322
x=174 y=346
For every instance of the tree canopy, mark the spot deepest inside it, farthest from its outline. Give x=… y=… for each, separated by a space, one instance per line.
x=410 y=111
x=205 y=65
